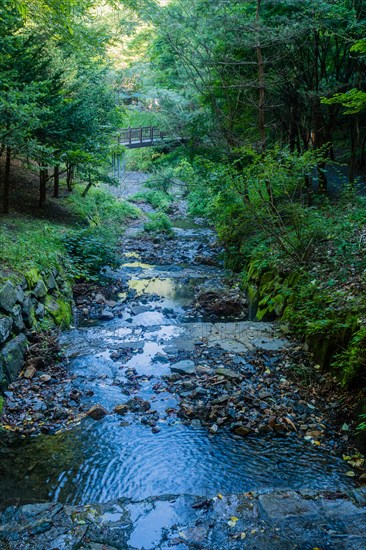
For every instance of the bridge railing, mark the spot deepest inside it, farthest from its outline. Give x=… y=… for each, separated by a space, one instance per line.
x=144 y=134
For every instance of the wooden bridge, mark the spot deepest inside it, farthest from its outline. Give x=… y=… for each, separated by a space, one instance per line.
x=145 y=136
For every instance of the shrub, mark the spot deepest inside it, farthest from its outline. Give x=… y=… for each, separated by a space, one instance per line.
x=158 y=223
x=89 y=250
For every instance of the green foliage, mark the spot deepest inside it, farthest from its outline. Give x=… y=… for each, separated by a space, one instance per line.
x=353 y=100
x=89 y=251
x=158 y=223
x=1 y=405
x=100 y=208
x=351 y=363
x=157 y=199
x=362 y=425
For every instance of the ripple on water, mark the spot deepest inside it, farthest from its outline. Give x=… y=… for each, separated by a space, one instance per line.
x=97 y=462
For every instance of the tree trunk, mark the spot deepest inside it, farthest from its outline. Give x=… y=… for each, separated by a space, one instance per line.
x=309 y=189
x=69 y=176
x=42 y=186
x=6 y=189
x=261 y=114
x=355 y=144
x=90 y=183
x=56 y=181
x=292 y=130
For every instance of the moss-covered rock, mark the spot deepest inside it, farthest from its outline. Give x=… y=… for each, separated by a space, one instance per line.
x=32 y=276
x=60 y=311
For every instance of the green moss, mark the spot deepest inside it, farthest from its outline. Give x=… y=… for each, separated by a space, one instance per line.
x=60 y=311
x=32 y=276
x=1 y=405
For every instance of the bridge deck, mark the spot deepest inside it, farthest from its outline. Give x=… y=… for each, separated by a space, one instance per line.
x=145 y=136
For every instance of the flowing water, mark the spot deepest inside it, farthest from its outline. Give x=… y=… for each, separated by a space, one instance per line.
x=99 y=461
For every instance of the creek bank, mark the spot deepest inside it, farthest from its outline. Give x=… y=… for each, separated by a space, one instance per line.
x=37 y=301
x=266 y=521
x=328 y=319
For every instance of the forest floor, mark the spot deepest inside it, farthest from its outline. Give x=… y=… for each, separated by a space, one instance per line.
x=168 y=389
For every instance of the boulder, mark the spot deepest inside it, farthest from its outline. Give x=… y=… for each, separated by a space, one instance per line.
x=40 y=311
x=40 y=290
x=28 y=312
x=5 y=328
x=50 y=281
x=20 y=294
x=12 y=356
x=8 y=297
x=18 y=323
x=106 y=315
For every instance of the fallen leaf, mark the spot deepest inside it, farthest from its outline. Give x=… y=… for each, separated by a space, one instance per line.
x=290 y=423
x=233 y=521
x=350 y=473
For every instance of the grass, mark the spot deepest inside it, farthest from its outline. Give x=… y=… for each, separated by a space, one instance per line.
x=27 y=243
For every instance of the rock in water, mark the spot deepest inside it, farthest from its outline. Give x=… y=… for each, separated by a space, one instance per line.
x=121 y=409
x=97 y=412
x=106 y=315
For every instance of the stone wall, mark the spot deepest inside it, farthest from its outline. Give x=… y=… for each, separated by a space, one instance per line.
x=39 y=301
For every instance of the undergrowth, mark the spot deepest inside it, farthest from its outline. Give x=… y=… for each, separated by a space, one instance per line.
x=28 y=244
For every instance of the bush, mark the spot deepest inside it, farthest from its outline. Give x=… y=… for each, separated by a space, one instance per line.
x=158 y=223
x=157 y=199
x=89 y=250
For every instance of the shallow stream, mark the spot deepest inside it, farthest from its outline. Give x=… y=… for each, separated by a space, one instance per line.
x=100 y=461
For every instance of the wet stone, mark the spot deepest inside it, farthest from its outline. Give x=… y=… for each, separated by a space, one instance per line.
x=276 y=506
x=97 y=412
x=40 y=290
x=121 y=409
x=183 y=367
x=5 y=328
x=106 y=315
x=18 y=323
x=229 y=374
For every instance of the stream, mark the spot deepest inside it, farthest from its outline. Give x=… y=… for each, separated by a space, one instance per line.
x=151 y=450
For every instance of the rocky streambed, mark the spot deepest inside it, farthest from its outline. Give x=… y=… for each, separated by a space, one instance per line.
x=177 y=424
